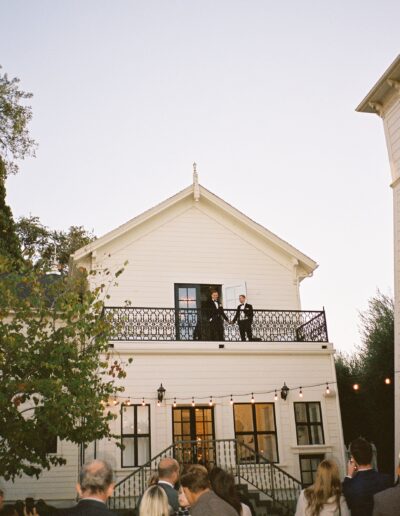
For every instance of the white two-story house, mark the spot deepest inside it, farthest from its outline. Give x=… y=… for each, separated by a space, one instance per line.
x=267 y=409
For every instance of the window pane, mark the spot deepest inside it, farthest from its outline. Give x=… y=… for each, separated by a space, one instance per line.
x=142 y=420
x=177 y=415
x=183 y=293
x=191 y=294
x=128 y=420
x=316 y=434
x=128 y=454
x=315 y=463
x=307 y=478
x=267 y=447
x=143 y=450
x=300 y=410
x=245 y=453
x=185 y=415
x=315 y=412
x=243 y=417
x=265 y=417
x=302 y=434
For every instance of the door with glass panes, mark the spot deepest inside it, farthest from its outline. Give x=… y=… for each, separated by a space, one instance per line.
x=194 y=434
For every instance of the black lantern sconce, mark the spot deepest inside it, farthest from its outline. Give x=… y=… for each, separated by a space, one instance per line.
x=160 y=393
x=284 y=391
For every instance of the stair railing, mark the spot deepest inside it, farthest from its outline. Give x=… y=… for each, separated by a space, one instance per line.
x=230 y=454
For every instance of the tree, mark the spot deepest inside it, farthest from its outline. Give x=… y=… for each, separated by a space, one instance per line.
x=42 y=245
x=56 y=373
x=15 y=142
x=9 y=243
x=371 y=408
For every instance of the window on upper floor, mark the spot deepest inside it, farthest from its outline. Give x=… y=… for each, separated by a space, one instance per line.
x=135 y=435
x=255 y=428
x=309 y=427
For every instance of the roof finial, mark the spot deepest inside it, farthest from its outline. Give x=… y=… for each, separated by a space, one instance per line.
x=196 y=187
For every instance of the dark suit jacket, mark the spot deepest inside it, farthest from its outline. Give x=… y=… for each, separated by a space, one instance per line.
x=387 y=503
x=213 y=313
x=248 y=313
x=359 y=491
x=87 y=508
x=172 y=495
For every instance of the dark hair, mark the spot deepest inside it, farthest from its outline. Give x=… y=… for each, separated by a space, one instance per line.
x=196 y=479
x=96 y=476
x=223 y=485
x=19 y=507
x=8 y=510
x=361 y=450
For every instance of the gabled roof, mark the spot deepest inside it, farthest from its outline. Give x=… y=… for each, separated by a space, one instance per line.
x=382 y=89
x=198 y=192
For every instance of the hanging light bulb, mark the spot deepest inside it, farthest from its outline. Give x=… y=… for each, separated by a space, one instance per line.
x=143 y=402
x=300 y=393
x=388 y=381
x=193 y=403
x=158 y=403
x=252 y=398
x=276 y=396
x=327 y=390
x=356 y=387
x=211 y=401
x=128 y=402
x=231 y=400
x=174 y=402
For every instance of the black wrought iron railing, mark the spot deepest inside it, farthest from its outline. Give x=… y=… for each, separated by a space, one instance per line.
x=166 y=324
x=242 y=461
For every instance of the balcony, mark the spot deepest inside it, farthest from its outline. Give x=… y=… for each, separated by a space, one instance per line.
x=190 y=324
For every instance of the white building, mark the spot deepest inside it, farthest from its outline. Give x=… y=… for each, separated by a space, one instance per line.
x=223 y=398
x=384 y=100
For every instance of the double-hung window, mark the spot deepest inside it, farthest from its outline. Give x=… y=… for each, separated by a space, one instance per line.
x=309 y=427
x=135 y=435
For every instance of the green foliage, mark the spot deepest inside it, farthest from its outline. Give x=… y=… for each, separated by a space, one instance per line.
x=41 y=245
x=367 y=411
x=15 y=142
x=55 y=372
x=9 y=243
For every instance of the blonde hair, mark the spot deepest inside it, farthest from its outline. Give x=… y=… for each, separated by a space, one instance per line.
x=154 y=502
x=327 y=484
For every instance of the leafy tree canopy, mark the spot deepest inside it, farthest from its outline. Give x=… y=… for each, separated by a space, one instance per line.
x=56 y=373
x=42 y=246
x=15 y=142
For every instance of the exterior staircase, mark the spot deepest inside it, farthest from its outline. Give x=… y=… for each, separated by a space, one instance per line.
x=271 y=490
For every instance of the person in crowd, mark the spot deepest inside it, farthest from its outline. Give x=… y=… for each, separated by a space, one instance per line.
x=8 y=510
x=387 y=502
x=223 y=484
x=154 y=502
x=94 y=488
x=1 y=499
x=324 y=497
x=168 y=476
x=20 y=507
x=362 y=481
x=244 y=317
x=215 y=316
x=184 y=506
x=203 y=501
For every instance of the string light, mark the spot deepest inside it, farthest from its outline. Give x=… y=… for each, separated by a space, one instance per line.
x=252 y=398
x=276 y=396
x=128 y=402
x=211 y=402
x=193 y=403
x=327 y=390
x=231 y=400
x=300 y=392
x=388 y=381
x=143 y=402
x=356 y=387
x=174 y=402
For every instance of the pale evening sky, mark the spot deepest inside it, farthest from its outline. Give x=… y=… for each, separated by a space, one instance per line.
x=261 y=94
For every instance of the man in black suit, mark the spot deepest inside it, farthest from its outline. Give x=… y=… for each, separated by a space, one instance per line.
x=362 y=481
x=215 y=316
x=244 y=317
x=168 y=476
x=95 y=487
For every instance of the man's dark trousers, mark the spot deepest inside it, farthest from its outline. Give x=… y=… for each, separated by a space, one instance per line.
x=245 y=327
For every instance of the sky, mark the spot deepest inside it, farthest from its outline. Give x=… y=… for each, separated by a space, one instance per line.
x=260 y=94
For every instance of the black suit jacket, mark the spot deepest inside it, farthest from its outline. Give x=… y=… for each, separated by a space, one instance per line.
x=88 y=508
x=172 y=495
x=248 y=313
x=214 y=313
x=359 y=491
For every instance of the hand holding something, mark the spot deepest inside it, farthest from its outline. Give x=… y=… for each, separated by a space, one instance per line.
x=351 y=468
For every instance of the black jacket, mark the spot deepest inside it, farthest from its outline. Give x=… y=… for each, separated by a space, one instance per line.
x=87 y=508
x=213 y=313
x=248 y=313
x=359 y=491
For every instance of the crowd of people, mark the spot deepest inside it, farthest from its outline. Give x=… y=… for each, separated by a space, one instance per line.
x=197 y=491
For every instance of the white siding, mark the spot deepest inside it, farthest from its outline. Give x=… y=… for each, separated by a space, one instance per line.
x=193 y=247
x=392 y=131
